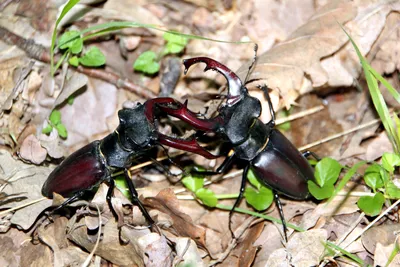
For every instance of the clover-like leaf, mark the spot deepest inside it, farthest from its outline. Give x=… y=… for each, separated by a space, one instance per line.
x=47 y=129
x=261 y=199
x=74 y=61
x=146 y=63
x=207 y=197
x=175 y=43
x=93 y=58
x=392 y=190
x=253 y=180
x=389 y=161
x=320 y=192
x=373 y=177
x=193 y=183
x=372 y=206
x=62 y=131
x=55 y=117
x=71 y=40
x=327 y=171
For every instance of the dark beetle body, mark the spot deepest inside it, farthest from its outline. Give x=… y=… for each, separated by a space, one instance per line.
x=83 y=169
x=275 y=161
x=282 y=167
x=94 y=163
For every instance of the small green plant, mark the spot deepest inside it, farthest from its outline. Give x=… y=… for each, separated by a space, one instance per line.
x=72 y=44
x=55 y=122
x=148 y=62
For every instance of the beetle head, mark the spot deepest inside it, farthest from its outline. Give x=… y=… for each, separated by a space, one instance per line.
x=135 y=131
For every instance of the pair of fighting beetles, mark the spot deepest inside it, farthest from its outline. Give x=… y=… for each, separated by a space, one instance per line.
x=269 y=154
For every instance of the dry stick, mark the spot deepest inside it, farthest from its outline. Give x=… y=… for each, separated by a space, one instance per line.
x=23 y=205
x=41 y=53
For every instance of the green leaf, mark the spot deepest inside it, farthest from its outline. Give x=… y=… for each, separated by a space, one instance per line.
x=55 y=117
x=175 y=43
x=372 y=206
x=372 y=177
x=207 y=197
x=70 y=41
x=345 y=179
x=93 y=58
x=122 y=186
x=260 y=200
x=253 y=180
x=47 y=130
x=193 y=183
x=392 y=190
x=74 y=61
x=146 y=63
x=320 y=192
x=67 y=7
x=62 y=131
x=389 y=161
x=327 y=171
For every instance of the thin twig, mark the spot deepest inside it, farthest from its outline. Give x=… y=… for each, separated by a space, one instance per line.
x=22 y=206
x=372 y=223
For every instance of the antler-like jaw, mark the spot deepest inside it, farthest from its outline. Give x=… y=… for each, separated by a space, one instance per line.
x=236 y=90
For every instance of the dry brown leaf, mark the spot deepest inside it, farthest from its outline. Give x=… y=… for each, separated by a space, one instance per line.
x=32 y=151
x=384 y=234
x=313 y=56
x=382 y=254
x=187 y=253
x=158 y=252
x=305 y=249
x=166 y=202
x=110 y=247
x=71 y=85
x=26 y=180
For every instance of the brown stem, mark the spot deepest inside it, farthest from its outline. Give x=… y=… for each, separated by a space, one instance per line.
x=39 y=52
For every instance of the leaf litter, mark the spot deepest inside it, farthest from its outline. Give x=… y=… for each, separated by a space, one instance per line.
x=315 y=57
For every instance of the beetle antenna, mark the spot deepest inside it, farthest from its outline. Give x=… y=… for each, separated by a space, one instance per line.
x=253 y=63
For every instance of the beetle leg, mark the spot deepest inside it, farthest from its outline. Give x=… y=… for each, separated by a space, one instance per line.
x=186 y=145
x=264 y=88
x=239 y=198
x=135 y=197
x=110 y=192
x=221 y=169
x=68 y=201
x=280 y=209
x=308 y=153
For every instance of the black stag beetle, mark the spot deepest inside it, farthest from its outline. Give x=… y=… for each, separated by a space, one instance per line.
x=275 y=161
x=94 y=163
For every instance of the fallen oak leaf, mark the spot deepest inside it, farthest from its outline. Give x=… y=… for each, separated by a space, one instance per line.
x=166 y=202
x=32 y=151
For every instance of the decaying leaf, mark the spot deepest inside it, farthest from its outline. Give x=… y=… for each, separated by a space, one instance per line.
x=166 y=202
x=385 y=235
x=305 y=249
x=110 y=247
x=313 y=56
x=32 y=151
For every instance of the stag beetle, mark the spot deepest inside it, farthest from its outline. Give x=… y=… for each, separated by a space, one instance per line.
x=275 y=161
x=94 y=163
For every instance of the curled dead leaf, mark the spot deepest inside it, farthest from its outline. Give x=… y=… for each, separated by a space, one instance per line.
x=32 y=151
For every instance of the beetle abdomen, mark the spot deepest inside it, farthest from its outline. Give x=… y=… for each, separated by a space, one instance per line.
x=82 y=170
x=282 y=167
